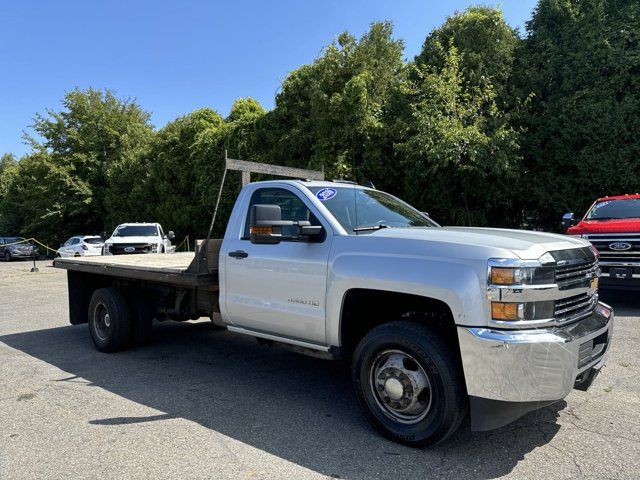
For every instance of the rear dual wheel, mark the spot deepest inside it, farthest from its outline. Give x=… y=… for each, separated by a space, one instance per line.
x=115 y=324
x=109 y=320
x=409 y=383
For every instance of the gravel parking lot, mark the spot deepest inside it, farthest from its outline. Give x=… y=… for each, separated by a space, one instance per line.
x=200 y=403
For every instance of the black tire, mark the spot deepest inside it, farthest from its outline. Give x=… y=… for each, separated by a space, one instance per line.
x=109 y=333
x=142 y=321
x=7 y=256
x=444 y=402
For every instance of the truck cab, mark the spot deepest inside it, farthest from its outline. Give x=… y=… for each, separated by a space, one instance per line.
x=612 y=225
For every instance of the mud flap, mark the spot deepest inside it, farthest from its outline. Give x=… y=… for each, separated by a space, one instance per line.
x=487 y=414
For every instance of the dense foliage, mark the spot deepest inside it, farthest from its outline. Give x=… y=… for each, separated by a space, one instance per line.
x=485 y=127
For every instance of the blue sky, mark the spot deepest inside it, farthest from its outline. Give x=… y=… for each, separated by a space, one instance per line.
x=174 y=57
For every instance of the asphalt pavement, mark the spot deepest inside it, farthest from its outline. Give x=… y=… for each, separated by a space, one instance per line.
x=204 y=403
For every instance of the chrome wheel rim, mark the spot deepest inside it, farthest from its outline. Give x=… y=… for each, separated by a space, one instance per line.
x=102 y=321
x=400 y=386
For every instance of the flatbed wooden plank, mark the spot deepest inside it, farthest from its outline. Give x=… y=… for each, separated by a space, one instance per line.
x=159 y=267
x=174 y=262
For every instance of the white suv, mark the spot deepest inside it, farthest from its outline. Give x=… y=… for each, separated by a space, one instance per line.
x=81 y=246
x=130 y=238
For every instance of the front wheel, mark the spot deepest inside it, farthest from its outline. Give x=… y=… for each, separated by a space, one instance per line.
x=409 y=384
x=7 y=256
x=109 y=320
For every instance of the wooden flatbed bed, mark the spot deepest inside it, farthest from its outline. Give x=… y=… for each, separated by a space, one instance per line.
x=172 y=268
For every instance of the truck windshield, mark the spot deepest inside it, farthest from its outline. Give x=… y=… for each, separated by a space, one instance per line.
x=136 y=231
x=360 y=210
x=613 y=209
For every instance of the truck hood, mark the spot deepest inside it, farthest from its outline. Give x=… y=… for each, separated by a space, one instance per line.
x=525 y=244
x=623 y=225
x=128 y=240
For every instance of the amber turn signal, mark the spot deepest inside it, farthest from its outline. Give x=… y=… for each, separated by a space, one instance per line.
x=261 y=230
x=504 y=311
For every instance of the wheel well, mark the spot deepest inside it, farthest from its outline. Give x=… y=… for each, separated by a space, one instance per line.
x=365 y=309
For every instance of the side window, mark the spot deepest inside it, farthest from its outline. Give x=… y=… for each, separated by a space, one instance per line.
x=291 y=206
x=160 y=231
x=75 y=241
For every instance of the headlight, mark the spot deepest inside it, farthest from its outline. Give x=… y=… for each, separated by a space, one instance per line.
x=521 y=275
x=516 y=275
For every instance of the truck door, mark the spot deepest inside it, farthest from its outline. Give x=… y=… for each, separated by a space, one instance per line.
x=279 y=289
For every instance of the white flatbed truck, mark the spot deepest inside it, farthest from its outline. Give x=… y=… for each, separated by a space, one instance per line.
x=437 y=321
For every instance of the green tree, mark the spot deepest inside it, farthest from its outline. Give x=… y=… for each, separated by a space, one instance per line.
x=244 y=132
x=176 y=167
x=460 y=149
x=8 y=172
x=485 y=44
x=333 y=113
x=95 y=132
x=44 y=199
x=242 y=135
x=580 y=60
x=8 y=165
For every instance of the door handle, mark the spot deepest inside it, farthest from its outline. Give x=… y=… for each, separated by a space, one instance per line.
x=239 y=254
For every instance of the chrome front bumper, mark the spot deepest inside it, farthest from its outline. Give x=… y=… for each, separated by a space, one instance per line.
x=534 y=365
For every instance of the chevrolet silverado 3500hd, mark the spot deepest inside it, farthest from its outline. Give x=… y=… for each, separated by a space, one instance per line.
x=438 y=321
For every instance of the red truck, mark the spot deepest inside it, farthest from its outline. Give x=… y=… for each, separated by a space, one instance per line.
x=612 y=225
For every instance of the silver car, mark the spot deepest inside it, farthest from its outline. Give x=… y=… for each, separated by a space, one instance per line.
x=12 y=248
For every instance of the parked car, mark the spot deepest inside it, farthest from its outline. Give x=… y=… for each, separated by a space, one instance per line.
x=81 y=246
x=612 y=225
x=130 y=238
x=12 y=248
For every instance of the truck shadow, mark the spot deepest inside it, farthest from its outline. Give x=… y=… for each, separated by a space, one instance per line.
x=299 y=408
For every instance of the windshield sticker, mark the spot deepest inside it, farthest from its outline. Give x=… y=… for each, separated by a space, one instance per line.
x=326 y=194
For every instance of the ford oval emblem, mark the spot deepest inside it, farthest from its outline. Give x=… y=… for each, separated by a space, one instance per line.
x=619 y=246
x=326 y=194
x=129 y=249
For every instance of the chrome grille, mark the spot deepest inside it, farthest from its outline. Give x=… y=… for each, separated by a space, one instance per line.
x=604 y=242
x=575 y=307
x=576 y=273
x=121 y=248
